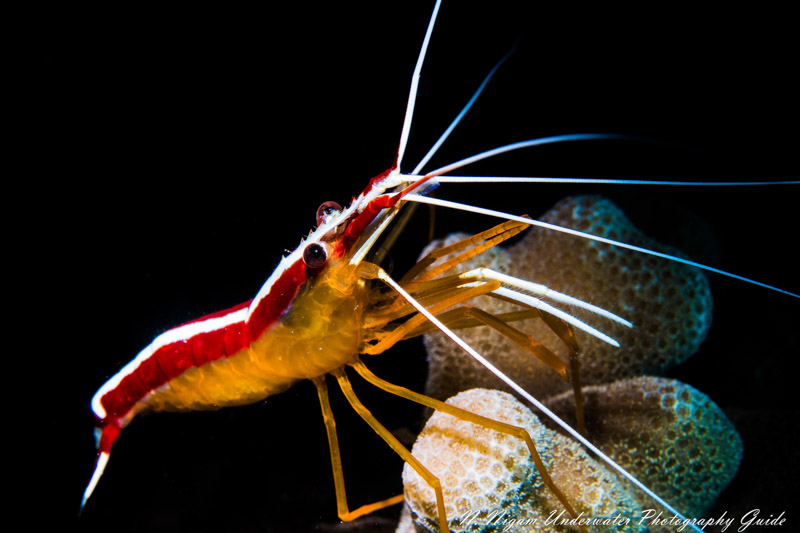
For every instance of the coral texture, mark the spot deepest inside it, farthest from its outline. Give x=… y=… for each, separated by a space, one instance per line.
x=662 y=431
x=669 y=303
x=667 y=434
x=489 y=480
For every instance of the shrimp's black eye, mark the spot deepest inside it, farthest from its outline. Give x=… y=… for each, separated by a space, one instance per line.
x=326 y=211
x=315 y=255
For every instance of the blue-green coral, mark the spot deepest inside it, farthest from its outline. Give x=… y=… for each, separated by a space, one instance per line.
x=490 y=482
x=669 y=304
x=671 y=436
x=665 y=432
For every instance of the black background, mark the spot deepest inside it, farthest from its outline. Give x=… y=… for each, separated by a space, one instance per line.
x=173 y=155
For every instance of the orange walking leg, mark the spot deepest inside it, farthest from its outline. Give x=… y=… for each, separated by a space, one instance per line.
x=336 y=462
x=457 y=412
x=395 y=444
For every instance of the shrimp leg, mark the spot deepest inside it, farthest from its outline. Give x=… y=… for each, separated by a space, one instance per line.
x=342 y=508
x=370 y=271
x=395 y=444
x=514 y=431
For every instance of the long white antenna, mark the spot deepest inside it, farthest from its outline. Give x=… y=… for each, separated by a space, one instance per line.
x=507 y=216
x=596 y=181
x=412 y=96
x=461 y=114
x=383 y=276
x=533 y=142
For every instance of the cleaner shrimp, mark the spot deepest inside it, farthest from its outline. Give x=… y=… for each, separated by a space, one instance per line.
x=248 y=469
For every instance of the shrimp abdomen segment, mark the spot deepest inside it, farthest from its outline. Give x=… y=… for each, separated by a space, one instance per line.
x=215 y=362
x=169 y=356
x=319 y=332
x=231 y=381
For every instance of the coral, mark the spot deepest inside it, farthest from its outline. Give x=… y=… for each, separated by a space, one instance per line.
x=669 y=435
x=669 y=303
x=489 y=478
x=662 y=431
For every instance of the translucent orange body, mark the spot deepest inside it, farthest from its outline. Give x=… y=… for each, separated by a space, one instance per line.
x=321 y=331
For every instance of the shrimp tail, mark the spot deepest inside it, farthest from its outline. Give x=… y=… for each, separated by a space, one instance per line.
x=106 y=433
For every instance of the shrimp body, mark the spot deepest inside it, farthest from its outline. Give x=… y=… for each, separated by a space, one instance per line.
x=213 y=362
x=306 y=321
